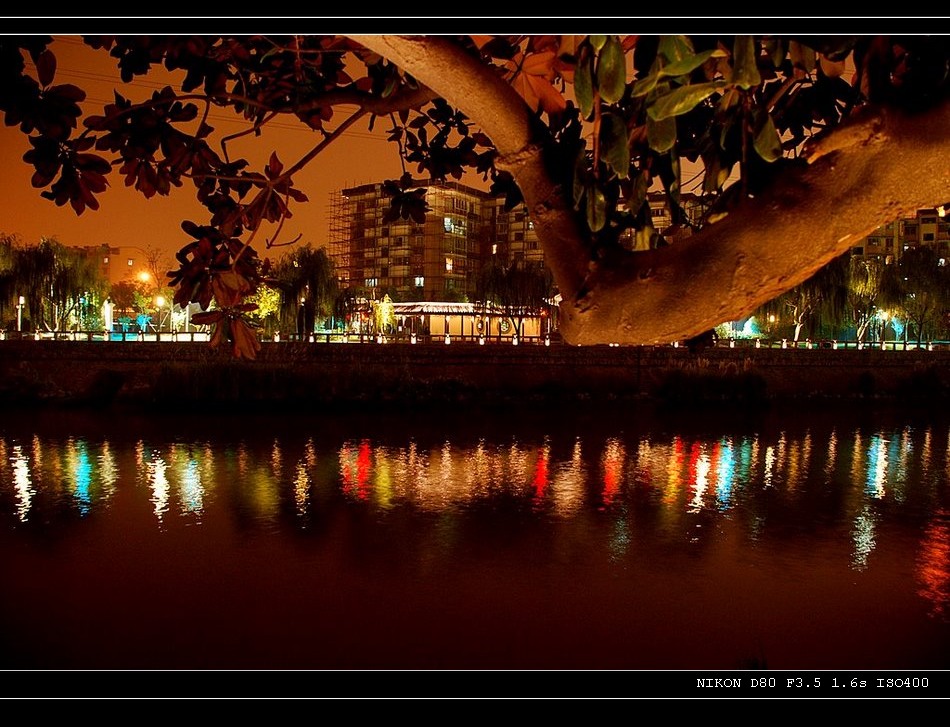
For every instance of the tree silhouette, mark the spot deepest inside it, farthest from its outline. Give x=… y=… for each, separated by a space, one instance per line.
x=806 y=144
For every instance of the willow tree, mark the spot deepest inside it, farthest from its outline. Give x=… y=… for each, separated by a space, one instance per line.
x=806 y=144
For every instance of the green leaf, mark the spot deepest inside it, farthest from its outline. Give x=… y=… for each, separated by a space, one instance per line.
x=614 y=146
x=584 y=84
x=611 y=71
x=661 y=134
x=690 y=63
x=638 y=192
x=596 y=209
x=683 y=99
x=597 y=41
x=674 y=48
x=767 y=142
x=679 y=68
x=745 y=72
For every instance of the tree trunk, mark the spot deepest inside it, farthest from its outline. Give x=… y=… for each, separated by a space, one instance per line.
x=865 y=173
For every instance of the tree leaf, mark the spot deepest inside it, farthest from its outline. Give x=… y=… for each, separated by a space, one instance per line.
x=661 y=133
x=615 y=150
x=584 y=84
x=767 y=142
x=745 y=71
x=674 y=48
x=597 y=41
x=596 y=209
x=611 y=71
x=802 y=56
x=683 y=99
x=689 y=63
x=46 y=67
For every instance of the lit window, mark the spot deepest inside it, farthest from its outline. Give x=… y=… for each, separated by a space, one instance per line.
x=494 y=249
x=130 y=262
x=420 y=281
x=105 y=260
x=447 y=224
x=448 y=264
x=371 y=282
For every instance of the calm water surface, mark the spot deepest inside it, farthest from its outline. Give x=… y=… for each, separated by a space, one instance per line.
x=620 y=540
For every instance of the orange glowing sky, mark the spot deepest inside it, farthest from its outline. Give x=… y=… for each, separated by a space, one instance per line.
x=125 y=217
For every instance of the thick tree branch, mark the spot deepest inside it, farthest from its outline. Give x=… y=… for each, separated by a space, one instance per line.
x=863 y=175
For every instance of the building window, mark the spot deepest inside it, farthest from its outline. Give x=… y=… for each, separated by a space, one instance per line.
x=384 y=252
x=928 y=220
x=448 y=264
x=130 y=262
x=371 y=282
x=519 y=236
x=928 y=237
x=494 y=249
x=447 y=224
x=420 y=281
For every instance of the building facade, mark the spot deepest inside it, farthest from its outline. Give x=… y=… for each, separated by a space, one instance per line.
x=929 y=226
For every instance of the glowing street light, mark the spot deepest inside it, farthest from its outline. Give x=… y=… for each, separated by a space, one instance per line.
x=160 y=303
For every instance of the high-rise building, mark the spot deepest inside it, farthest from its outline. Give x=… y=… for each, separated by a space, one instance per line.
x=440 y=258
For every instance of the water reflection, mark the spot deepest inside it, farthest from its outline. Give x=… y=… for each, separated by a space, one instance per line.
x=767 y=482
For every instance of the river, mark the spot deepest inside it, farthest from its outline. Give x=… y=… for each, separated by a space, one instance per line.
x=796 y=538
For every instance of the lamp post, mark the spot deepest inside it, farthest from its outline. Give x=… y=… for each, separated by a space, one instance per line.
x=19 y=314
x=160 y=304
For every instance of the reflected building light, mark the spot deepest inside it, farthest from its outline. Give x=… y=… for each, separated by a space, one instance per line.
x=769 y=466
x=933 y=565
x=36 y=456
x=80 y=473
x=863 y=538
x=700 y=483
x=191 y=490
x=23 y=486
x=107 y=469
x=674 y=466
x=832 y=455
x=364 y=469
x=541 y=480
x=242 y=459
x=612 y=463
x=158 y=482
x=781 y=453
x=382 y=480
x=877 y=467
x=519 y=471
x=276 y=459
x=925 y=455
x=301 y=489
x=899 y=456
x=567 y=485
x=857 y=460
x=725 y=473
x=310 y=454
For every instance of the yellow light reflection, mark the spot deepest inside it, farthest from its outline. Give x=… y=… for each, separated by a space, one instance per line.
x=612 y=463
x=567 y=487
x=769 y=466
x=862 y=534
x=23 y=486
x=301 y=488
x=158 y=482
x=700 y=482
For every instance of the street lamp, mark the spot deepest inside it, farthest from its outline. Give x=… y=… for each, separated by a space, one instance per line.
x=19 y=314
x=160 y=303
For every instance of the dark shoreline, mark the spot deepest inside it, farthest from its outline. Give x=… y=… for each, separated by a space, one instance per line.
x=405 y=378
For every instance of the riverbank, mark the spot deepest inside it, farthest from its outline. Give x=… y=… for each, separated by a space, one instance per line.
x=302 y=375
